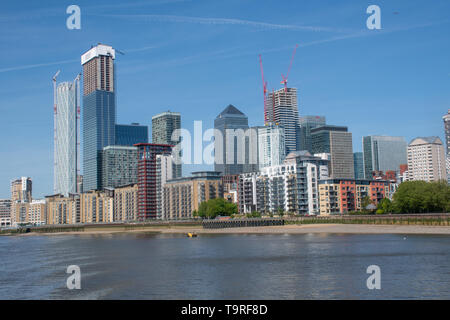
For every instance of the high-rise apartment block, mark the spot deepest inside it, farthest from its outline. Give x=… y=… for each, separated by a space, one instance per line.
x=163 y=126
x=66 y=138
x=130 y=134
x=426 y=159
x=306 y=124
x=282 y=108
x=147 y=178
x=383 y=153
x=291 y=187
x=21 y=190
x=336 y=141
x=271 y=145
x=119 y=166
x=99 y=111
x=97 y=206
x=165 y=171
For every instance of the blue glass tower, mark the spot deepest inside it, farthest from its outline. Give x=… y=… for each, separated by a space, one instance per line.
x=131 y=134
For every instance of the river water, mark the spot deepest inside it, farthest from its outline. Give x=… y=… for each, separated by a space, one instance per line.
x=230 y=266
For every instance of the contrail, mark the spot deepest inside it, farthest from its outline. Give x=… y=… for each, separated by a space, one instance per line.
x=219 y=21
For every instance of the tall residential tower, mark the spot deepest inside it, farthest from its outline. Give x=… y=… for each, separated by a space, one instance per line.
x=99 y=111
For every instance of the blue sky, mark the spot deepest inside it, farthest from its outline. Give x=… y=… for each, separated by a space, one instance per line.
x=198 y=56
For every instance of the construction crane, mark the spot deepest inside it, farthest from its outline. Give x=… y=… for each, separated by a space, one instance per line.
x=78 y=132
x=264 y=88
x=285 y=79
x=55 y=111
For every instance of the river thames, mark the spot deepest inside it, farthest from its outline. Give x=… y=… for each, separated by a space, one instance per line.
x=225 y=266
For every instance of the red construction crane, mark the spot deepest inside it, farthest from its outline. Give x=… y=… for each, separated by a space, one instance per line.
x=264 y=87
x=285 y=79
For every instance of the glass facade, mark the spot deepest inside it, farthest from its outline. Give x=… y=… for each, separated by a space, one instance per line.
x=119 y=166
x=130 y=134
x=99 y=119
x=383 y=153
x=306 y=124
x=359 y=165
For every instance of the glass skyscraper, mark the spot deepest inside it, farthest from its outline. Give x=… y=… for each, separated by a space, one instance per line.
x=383 y=153
x=306 y=124
x=66 y=138
x=226 y=161
x=99 y=111
x=119 y=166
x=131 y=134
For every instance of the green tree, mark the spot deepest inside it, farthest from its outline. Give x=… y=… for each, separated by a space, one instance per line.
x=422 y=197
x=280 y=212
x=216 y=207
x=384 y=206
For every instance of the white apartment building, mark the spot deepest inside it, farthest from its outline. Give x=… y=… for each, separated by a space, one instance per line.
x=426 y=159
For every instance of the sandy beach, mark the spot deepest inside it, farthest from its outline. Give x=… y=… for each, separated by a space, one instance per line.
x=286 y=229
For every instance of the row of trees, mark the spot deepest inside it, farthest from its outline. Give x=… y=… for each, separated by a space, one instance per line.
x=418 y=197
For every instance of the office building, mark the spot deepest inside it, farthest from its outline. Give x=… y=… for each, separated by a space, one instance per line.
x=5 y=212
x=183 y=196
x=383 y=153
x=339 y=196
x=147 y=178
x=306 y=124
x=336 y=141
x=426 y=159
x=66 y=137
x=282 y=108
x=130 y=134
x=359 y=165
x=163 y=126
x=271 y=145
x=63 y=209
x=235 y=145
x=99 y=111
x=119 y=166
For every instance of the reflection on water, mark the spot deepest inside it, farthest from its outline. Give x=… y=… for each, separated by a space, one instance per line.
x=167 y=266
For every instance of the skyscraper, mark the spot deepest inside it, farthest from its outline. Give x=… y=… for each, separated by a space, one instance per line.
x=426 y=159
x=163 y=126
x=306 y=124
x=359 y=165
x=66 y=138
x=230 y=156
x=281 y=108
x=147 y=178
x=383 y=153
x=99 y=111
x=130 y=134
x=336 y=141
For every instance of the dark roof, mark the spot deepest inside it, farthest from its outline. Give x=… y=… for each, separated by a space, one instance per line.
x=231 y=110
